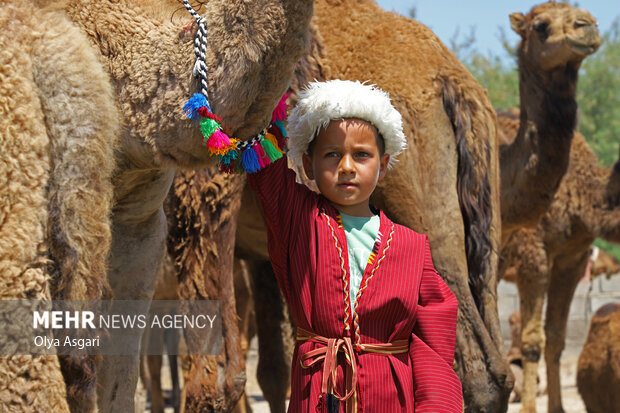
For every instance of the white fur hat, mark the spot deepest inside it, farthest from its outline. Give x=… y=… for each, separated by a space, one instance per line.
x=321 y=102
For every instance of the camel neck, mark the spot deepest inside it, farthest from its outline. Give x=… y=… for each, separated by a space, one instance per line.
x=548 y=99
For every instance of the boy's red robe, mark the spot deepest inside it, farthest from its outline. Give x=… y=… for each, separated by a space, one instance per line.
x=403 y=298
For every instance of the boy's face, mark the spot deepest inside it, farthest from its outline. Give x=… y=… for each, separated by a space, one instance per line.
x=346 y=164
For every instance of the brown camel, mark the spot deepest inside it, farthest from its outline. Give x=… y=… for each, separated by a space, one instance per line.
x=555 y=38
x=58 y=127
x=449 y=175
x=149 y=56
x=598 y=369
x=553 y=257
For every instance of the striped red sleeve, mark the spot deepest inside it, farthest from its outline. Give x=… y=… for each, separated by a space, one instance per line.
x=280 y=197
x=437 y=387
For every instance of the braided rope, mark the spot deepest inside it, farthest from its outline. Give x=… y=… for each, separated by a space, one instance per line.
x=200 y=49
x=344 y=273
x=356 y=326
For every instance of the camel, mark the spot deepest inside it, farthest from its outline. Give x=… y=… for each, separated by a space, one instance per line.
x=555 y=38
x=58 y=123
x=598 y=368
x=551 y=259
x=149 y=57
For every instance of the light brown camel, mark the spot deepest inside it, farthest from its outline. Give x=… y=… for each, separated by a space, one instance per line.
x=58 y=127
x=252 y=49
x=555 y=38
x=551 y=259
x=449 y=176
x=598 y=368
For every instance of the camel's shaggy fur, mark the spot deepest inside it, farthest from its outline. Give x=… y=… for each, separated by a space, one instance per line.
x=59 y=128
x=251 y=53
x=204 y=205
x=598 y=369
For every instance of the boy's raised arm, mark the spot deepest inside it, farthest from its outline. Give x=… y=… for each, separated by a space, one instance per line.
x=280 y=197
x=437 y=388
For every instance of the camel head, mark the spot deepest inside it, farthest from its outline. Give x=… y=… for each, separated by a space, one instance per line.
x=556 y=34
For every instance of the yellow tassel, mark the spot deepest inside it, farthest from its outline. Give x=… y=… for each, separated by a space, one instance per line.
x=272 y=138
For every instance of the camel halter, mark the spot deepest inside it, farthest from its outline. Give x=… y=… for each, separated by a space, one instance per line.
x=232 y=155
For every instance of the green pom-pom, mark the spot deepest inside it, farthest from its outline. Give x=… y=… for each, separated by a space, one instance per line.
x=270 y=150
x=208 y=126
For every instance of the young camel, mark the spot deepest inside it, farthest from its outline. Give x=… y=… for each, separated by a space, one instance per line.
x=149 y=56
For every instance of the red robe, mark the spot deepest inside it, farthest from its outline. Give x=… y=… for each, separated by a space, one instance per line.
x=401 y=297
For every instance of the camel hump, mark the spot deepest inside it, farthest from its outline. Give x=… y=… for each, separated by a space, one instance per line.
x=605 y=311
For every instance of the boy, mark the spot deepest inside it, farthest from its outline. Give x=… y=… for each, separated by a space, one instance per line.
x=376 y=330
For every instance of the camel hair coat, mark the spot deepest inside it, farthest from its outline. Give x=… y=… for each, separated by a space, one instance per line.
x=402 y=299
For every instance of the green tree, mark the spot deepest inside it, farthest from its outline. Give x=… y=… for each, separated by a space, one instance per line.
x=598 y=96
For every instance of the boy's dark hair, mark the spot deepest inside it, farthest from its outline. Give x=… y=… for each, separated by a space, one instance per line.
x=378 y=138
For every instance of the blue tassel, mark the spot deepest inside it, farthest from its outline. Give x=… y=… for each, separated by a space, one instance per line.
x=228 y=157
x=250 y=160
x=280 y=126
x=193 y=104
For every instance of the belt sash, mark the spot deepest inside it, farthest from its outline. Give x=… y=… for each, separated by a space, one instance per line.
x=328 y=354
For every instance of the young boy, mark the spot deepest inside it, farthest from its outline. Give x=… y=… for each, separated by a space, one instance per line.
x=375 y=322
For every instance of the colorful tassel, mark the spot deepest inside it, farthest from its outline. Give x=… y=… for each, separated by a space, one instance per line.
x=270 y=137
x=264 y=150
x=249 y=160
x=207 y=127
x=205 y=112
x=272 y=152
x=193 y=104
x=280 y=126
x=279 y=113
x=218 y=142
x=263 y=159
x=228 y=157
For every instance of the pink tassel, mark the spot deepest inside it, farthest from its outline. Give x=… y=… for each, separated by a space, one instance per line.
x=263 y=159
x=279 y=113
x=218 y=140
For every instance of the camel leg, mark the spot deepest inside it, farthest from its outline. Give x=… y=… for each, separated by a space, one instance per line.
x=245 y=310
x=205 y=261
x=565 y=275
x=532 y=281
x=274 y=337
x=171 y=338
x=133 y=272
x=157 y=397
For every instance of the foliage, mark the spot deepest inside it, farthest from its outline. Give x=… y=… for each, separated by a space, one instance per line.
x=599 y=97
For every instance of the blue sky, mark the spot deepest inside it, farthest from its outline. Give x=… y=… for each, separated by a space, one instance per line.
x=444 y=16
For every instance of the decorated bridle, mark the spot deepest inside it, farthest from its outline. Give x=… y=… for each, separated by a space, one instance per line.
x=233 y=155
